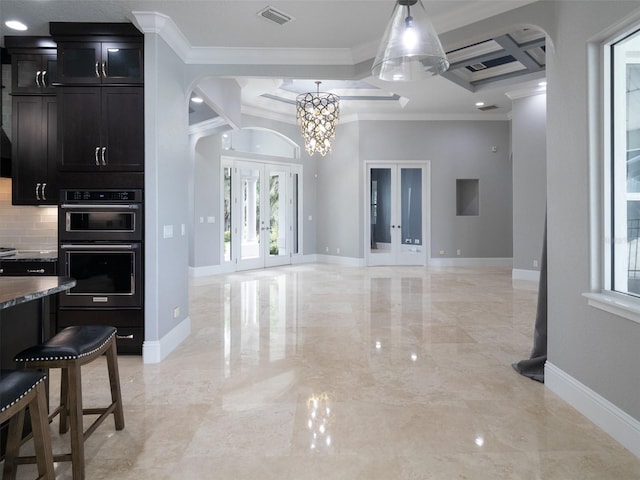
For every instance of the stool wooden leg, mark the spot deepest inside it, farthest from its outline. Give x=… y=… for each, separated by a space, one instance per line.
x=75 y=419
x=41 y=434
x=114 y=382
x=14 y=437
x=64 y=401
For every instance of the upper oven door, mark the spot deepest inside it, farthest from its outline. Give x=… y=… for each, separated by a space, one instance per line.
x=86 y=222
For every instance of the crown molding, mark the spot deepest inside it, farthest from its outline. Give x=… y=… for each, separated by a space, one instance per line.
x=164 y=26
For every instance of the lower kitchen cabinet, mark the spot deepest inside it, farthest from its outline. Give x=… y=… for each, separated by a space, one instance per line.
x=128 y=322
x=34 y=164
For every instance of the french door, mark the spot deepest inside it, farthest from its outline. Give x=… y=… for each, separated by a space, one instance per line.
x=397 y=230
x=261 y=214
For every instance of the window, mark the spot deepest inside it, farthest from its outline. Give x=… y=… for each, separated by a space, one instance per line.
x=623 y=259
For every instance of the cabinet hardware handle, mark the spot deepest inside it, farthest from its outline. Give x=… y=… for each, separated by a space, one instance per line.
x=35 y=270
x=44 y=196
x=44 y=80
x=104 y=69
x=37 y=191
x=104 y=162
x=97 y=161
x=38 y=78
x=97 y=71
x=129 y=337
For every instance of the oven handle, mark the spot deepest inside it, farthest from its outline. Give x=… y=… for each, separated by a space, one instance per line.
x=128 y=206
x=90 y=246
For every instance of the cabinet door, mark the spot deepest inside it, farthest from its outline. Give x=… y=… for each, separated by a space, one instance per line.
x=123 y=128
x=122 y=63
x=26 y=73
x=79 y=63
x=79 y=145
x=34 y=150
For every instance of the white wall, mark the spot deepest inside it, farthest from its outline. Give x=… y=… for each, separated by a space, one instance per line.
x=456 y=150
x=597 y=349
x=166 y=196
x=529 y=140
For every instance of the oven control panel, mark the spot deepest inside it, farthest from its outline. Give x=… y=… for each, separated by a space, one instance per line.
x=100 y=196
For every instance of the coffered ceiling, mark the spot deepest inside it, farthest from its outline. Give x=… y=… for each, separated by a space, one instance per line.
x=315 y=33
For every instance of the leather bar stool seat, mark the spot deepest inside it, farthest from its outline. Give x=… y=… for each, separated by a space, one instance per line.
x=69 y=350
x=19 y=390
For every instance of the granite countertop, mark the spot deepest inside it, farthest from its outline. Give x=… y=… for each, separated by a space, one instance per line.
x=31 y=256
x=16 y=290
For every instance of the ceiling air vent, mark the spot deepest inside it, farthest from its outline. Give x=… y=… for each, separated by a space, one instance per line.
x=487 y=107
x=274 y=15
x=478 y=66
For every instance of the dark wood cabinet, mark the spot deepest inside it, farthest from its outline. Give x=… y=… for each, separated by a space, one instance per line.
x=34 y=165
x=33 y=73
x=101 y=128
x=103 y=63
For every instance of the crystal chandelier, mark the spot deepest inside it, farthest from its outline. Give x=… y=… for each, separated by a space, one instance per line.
x=318 y=115
x=410 y=48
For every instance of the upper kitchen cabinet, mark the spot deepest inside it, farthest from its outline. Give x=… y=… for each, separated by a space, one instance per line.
x=34 y=150
x=98 y=53
x=101 y=129
x=100 y=63
x=33 y=65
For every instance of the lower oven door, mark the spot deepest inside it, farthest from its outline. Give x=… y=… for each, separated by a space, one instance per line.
x=108 y=275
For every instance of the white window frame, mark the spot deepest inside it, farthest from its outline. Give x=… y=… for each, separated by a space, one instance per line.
x=601 y=131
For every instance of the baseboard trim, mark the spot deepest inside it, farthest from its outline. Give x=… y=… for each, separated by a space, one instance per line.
x=342 y=261
x=529 y=275
x=471 y=262
x=157 y=350
x=620 y=425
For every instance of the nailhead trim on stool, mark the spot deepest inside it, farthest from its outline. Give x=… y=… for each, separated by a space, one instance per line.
x=19 y=390
x=71 y=348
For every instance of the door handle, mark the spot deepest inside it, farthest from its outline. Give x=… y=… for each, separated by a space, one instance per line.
x=44 y=196
x=43 y=78
x=97 y=71
x=38 y=73
x=104 y=69
x=96 y=154
x=37 y=191
x=104 y=162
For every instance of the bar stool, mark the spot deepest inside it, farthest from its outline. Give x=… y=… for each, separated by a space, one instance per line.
x=19 y=390
x=69 y=350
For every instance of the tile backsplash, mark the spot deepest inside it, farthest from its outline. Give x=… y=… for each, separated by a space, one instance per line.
x=25 y=227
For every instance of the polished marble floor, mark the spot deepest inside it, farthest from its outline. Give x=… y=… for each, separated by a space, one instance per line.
x=327 y=372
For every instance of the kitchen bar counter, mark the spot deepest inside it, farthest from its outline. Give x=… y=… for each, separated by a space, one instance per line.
x=17 y=290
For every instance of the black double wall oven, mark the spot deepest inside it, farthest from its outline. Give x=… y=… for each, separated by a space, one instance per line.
x=100 y=235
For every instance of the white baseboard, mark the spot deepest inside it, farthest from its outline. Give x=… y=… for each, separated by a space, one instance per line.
x=471 y=262
x=620 y=425
x=529 y=275
x=343 y=261
x=157 y=350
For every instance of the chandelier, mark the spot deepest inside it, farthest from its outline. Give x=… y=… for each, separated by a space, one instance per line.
x=318 y=115
x=410 y=48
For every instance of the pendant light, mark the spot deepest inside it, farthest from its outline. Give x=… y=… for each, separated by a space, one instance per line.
x=410 y=48
x=318 y=115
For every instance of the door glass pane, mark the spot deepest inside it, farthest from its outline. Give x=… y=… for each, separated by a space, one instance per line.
x=123 y=62
x=79 y=62
x=250 y=224
x=27 y=73
x=277 y=217
x=411 y=205
x=295 y=212
x=227 y=214
x=380 y=210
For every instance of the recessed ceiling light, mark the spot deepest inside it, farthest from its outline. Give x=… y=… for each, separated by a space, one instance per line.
x=479 y=104
x=16 y=25
x=196 y=99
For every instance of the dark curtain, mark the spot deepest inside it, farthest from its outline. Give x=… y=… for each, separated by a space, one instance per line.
x=533 y=367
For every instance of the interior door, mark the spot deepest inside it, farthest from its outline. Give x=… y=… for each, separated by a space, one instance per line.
x=396 y=231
